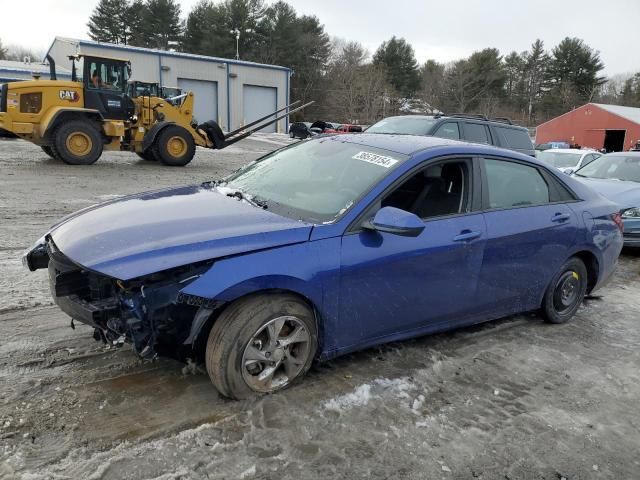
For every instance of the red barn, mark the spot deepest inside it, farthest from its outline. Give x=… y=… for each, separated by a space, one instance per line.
x=594 y=125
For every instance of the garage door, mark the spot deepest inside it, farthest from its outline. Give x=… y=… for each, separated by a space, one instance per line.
x=206 y=98
x=258 y=102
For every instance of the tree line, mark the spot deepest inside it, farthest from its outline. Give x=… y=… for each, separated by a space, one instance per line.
x=350 y=84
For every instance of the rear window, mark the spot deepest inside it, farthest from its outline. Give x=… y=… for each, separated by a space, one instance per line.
x=514 y=138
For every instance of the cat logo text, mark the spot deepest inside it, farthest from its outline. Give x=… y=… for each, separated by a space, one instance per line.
x=69 y=95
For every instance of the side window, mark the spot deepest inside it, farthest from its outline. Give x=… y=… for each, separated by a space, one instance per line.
x=448 y=130
x=438 y=190
x=104 y=75
x=589 y=158
x=476 y=133
x=513 y=184
x=514 y=138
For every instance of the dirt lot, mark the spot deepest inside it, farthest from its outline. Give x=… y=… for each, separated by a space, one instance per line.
x=512 y=399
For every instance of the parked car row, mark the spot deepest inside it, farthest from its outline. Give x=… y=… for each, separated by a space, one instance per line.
x=568 y=160
x=500 y=132
x=306 y=129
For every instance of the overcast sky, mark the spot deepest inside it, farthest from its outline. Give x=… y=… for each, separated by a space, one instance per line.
x=443 y=30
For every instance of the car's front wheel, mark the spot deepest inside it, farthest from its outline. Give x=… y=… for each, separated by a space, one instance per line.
x=261 y=344
x=565 y=292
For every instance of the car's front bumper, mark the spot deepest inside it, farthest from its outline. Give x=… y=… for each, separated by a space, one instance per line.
x=631 y=234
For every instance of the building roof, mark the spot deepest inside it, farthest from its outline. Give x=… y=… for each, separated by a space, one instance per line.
x=7 y=66
x=164 y=53
x=630 y=113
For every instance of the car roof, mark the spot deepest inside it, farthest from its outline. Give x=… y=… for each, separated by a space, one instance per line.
x=570 y=150
x=404 y=144
x=630 y=153
x=468 y=119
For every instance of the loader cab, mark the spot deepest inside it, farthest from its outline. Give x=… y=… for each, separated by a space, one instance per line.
x=106 y=82
x=143 y=89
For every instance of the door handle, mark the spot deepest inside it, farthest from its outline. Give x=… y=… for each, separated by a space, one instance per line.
x=560 y=217
x=466 y=235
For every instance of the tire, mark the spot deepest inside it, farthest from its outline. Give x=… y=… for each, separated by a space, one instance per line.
x=244 y=329
x=292 y=135
x=147 y=155
x=48 y=150
x=77 y=143
x=174 y=146
x=565 y=292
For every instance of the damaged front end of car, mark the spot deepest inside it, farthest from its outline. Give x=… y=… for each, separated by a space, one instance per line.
x=149 y=312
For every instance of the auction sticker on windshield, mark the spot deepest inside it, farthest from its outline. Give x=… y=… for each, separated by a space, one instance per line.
x=376 y=159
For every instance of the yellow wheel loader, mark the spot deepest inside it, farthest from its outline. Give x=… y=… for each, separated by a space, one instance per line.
x=74 y=121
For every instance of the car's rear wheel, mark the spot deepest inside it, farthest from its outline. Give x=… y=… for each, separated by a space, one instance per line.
x=261 y=344
x=565 y=292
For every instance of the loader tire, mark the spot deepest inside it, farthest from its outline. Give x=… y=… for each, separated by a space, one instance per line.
x=174 y=146
x=147 y=155
x=50 y=151
x=77 y=143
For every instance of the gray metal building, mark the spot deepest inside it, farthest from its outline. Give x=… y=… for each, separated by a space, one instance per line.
x=12 y=71
x=232 y=92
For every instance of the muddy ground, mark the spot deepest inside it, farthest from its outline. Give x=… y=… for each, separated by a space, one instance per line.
x=512 y=399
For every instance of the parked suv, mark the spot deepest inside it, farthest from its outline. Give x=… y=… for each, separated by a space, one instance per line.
x=470 y=128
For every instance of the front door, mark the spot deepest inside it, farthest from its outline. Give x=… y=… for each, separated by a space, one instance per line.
x=105 y=84
x=395 y=286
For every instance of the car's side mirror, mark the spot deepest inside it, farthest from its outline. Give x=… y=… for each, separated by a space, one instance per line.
x=395 y=221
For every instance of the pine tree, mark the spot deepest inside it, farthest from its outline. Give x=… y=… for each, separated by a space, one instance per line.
x=136 y=27
x=162 y=23
x=398 y=58
x=107 y=23
x=572 y=76
x=3 y=52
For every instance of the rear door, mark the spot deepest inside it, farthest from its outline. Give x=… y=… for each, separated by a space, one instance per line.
x=476 y=133
x=530 y=230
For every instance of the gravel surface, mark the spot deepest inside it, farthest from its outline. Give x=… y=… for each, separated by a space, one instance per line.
x=510 y=399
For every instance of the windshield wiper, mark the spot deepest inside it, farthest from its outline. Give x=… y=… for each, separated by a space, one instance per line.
x=240 y=195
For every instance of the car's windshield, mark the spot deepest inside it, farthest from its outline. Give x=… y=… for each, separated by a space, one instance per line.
x=560 y=159
x=405 y=125
x=615 y=166
x=316 y=180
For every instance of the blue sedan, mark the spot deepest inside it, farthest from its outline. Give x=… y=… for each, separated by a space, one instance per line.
x=617 y=177
x=329 y=246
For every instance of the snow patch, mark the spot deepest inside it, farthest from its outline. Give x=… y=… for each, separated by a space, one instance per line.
x=358 y=398
x=249 y=472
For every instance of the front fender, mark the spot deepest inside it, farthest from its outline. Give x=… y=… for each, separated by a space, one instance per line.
x=153 y=132
x=53 y=114
x=310 y=269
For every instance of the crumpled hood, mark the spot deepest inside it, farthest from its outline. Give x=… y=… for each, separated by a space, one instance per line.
x=624 y=193
x=149 y=232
